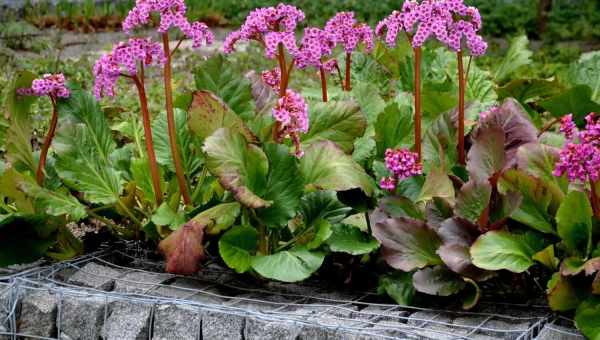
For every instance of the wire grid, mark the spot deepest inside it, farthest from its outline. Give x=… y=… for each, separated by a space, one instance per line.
x=348 y=316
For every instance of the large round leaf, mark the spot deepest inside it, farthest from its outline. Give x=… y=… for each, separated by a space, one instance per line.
x=398 y=286
x=236 y=247
x=437 y=184
x=498 y=250
x=326 y=166
x=340 y=122
x=437 y=281
x=351 y=240
x=562 y=296
x=219 y=217
x=240 y=167
x=587 y=318
x=473 y=199
x=284 y=186
x=407 y=244
x=574 y=219
x=394 y=128
x=486 y=156
x=292 y=265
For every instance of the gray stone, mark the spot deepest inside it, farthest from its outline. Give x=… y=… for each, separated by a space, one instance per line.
x=394 y=329
x=380 y=313
x=95 y=276
x=177 y=322
x=189 y=289
x=6 y=307
x=127 y=321
x=500 y=329
x=556 y=332
x=138 y=282
x=327 y=327
x=38 y=314
x=432 y=325
x=256 y=329
x=82 y=317
x=223 y=325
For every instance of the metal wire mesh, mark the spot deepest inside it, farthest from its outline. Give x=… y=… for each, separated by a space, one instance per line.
x=110 y=288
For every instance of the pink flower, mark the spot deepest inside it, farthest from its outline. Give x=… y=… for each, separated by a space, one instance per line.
x=349 y=33
x=52 y=85
x=124 y=59
x=292 y=112
x=484 y=115
x=403 y=164
x=261 y=21
x=580 y=158
x=316 y=44
x=448 y=21
x=172 y=14
x=331 y=66
x=272 y=78
x=273 y=39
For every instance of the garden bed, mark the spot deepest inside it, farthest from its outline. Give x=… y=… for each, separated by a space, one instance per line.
x=123 y=294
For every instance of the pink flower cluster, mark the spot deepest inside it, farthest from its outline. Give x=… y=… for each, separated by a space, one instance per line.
x=580 y=161
x=292 y=112
x=485 y=114
x=316 y=44
x=172 y=14
x=347 y=32
x=124 y=59
x=449 y=21
x=272 y=78
x=52 y=85
x=403 y=164
x=270 y=25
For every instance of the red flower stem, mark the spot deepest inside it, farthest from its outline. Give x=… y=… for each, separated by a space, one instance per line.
x=549 y=126
x=462 y=160
x=595 y=199
x=181 y=181
x=323 y=83
x=417 y=51
x=44 y=153
x=348 y=86
x=154 y=173
x=283 y=70
x=337 y=67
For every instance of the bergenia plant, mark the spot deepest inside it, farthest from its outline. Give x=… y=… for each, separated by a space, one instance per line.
x=580 y=157
x=274 y=28
x=315 y=47
x=172 y=14
x=128 y=59
x=349 y=33
x=449 y=22
x=53 y=86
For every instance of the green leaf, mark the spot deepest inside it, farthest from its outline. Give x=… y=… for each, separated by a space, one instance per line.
x=480 y=87
x=407 y=244
x=394 y=128
x=586 y=318
x=208 y=113
x=220 y=77
x=398 y=286
x=587 y=72
x=561 y=294
x=486 y=156
x=471 y=295
x=292 y=265
x=349 y=239
x=322 y=205
x=322 y=234
x=325 y=166
x=18 y=135
x=437 y=184
x=140 y=172
x=496 y=250
x=547 y=257
x=539 y=160
x=574 y=223
x=517 y=55
x=526 y=90
x=241 y=168
x=236 y=247
x=473 y=199
x=576 y=100
x=83 y=145
x=537 y=197
x=54 y=202
x=340 y=122
x=437 y=281
x=165 y=216
x=371 y=103
x=26 y=238
x=284 y=186
x=220 y=217
x=440 y=143
x=188 y=150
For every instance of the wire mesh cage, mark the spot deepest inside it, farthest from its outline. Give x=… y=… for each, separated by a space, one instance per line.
x=123 y=294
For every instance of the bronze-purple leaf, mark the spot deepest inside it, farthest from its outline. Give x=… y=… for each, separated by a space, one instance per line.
x=407 y=244
x=183 y=249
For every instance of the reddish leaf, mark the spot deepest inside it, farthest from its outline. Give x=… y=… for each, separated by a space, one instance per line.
x=183 y=249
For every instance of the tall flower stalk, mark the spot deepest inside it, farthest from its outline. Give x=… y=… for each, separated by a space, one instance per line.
x=172 y=14
x=127 y=60
x=53 y=86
